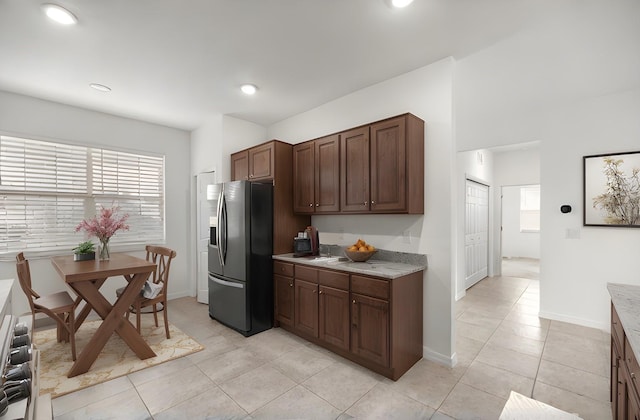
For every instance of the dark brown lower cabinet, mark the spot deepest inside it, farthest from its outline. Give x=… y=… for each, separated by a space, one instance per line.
x=334 y=316
x=625 y=398
x=370 y=328
x=373 y=321
x=633 y=406
x=283 y=289
x=306 y=307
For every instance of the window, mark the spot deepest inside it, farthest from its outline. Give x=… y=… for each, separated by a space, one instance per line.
x=47 y=188
x=530 y=208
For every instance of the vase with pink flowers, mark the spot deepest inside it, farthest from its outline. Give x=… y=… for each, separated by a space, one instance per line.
x=104 y=227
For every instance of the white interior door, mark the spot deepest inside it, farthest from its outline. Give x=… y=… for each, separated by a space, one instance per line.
x=205 y=209
x=476 y=232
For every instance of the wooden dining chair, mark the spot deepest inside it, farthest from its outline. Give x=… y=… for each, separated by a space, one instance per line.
x=58 y=306
x=162 y=257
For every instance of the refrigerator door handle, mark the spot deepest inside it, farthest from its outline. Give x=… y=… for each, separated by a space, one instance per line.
x=219 y=229
x=226 y=283
x=223 y=212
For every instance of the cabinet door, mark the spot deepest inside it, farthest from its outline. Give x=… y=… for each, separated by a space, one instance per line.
x=284 y=299
x=354 y=170
x=303 y=173
x=633 y=405
x=240 y=166
x=370 y=328
x=327 y=174
x=261 y=161
x=334 y=316
x=388 y=166
x=618 y=393
x=306 y=307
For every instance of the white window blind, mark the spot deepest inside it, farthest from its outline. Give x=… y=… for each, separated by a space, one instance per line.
x=47 y=188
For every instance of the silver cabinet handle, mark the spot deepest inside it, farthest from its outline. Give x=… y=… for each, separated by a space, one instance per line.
x=227 y=283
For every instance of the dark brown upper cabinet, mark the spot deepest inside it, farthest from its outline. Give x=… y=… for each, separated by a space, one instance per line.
x=254 y=164
x=240 y=166
x=354 y=182
x=316 y=176
x=382 y=169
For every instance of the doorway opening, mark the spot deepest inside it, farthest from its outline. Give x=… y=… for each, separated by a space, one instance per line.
x=520 y=232
x=204 y=210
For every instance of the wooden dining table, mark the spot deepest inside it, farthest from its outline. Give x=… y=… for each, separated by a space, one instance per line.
x=86 y=278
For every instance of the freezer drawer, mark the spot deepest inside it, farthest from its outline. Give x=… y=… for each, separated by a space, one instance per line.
x=228 y=302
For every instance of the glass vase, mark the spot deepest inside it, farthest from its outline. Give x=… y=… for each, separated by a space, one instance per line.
x=104 y=250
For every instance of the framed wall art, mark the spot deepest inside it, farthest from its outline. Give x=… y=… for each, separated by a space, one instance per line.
x=612 y=190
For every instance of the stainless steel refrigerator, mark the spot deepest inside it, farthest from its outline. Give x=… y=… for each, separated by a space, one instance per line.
x=240 y=249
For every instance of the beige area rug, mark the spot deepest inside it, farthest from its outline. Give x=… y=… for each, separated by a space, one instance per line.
x=115 y=360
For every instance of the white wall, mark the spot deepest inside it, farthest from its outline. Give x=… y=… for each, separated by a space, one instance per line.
x=238 y=135
x=427 y=93
x=575 y=272
x=219 y=137
x=35 y=118
x=206 y=155
x=577 y=91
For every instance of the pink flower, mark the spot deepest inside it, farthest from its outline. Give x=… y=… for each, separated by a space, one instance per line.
x=105 y=226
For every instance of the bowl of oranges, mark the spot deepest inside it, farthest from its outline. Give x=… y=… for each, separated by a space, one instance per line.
x=360 y=251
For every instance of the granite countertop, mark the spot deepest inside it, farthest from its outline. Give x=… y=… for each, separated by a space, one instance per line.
x=626 y=299
x=373 y=267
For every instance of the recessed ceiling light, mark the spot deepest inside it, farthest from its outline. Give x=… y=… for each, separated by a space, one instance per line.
x=101 y=88
x=401 y=3
x=249 y=89
x=59 y=14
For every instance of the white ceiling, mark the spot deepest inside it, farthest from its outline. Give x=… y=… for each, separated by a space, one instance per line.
x=175 y=62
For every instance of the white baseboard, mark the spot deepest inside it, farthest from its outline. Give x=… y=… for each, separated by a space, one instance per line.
x=448 y=361
x=460 y=295
x=574 y=320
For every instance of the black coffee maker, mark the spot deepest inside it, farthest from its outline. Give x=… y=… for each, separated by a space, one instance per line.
x=306 y=243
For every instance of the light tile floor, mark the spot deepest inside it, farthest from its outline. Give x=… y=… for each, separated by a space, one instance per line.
x=501 y=346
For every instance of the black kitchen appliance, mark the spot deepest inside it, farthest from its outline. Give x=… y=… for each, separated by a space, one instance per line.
x=240 y=249
x=307 y=244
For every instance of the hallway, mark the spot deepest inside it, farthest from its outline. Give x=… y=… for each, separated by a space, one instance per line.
x=503 y=345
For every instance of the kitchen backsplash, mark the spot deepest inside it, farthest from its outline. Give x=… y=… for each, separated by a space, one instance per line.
x=383 y=255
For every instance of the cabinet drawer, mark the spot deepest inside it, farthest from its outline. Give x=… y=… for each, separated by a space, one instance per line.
x=306 y=273
x=282 y=268
x=333 y=279
x=632 y=363
x=616 y=328
x=370 y=286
